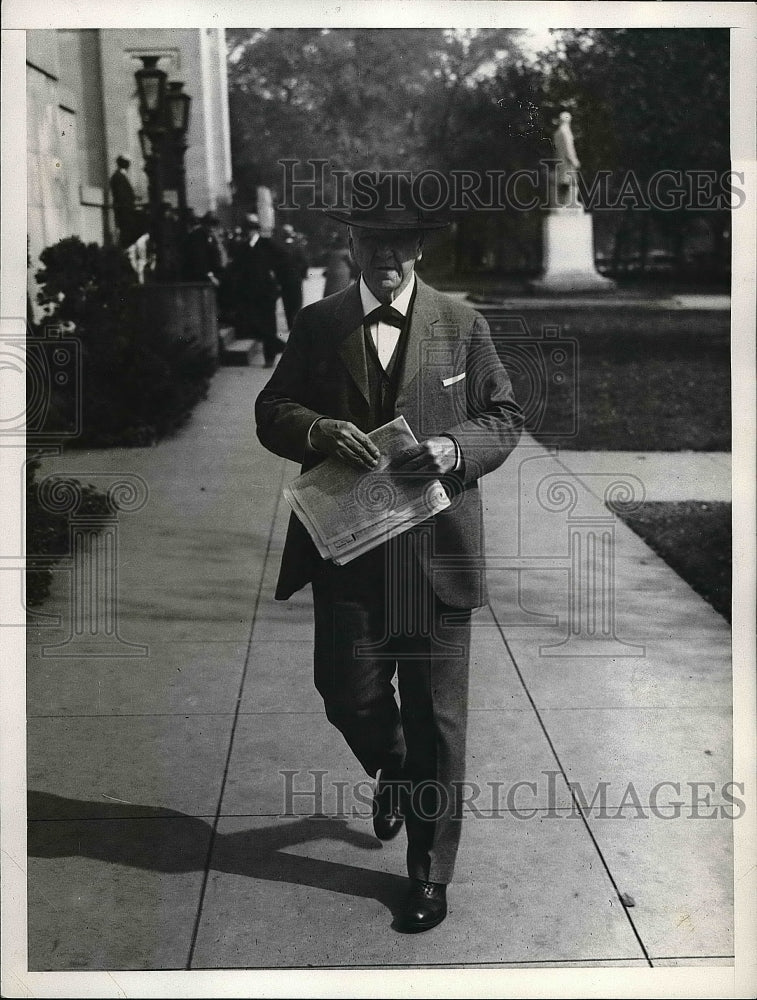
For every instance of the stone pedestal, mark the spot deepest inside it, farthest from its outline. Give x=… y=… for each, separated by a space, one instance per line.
x=186 y=311
x=568 y=263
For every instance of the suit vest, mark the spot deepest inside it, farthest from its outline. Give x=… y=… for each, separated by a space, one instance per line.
x=383 y=383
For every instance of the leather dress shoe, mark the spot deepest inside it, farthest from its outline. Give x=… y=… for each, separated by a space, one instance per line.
x=425 y=906
x=387 y=807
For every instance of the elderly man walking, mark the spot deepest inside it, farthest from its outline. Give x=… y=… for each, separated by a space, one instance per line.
x=390 y=345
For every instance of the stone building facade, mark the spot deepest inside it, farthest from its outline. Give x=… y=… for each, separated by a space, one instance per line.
x=82 y=112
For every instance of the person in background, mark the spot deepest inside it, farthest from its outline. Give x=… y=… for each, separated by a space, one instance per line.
x=295 y=270
x=124 y=202
x=257 y=272
x=172 y=252
x=205 y=253
x=235 y=239
x=340 y=269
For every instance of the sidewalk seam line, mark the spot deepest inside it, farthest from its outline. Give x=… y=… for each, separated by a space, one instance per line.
x=576 y=804
x=240 y=693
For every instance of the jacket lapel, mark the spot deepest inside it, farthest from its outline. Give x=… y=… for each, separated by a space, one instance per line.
x=348 y=321
x=349 y=331
x=425 y=313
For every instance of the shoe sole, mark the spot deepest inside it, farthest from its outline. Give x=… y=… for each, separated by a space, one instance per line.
x=419 y=928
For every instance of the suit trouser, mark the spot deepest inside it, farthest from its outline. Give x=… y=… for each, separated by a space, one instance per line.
x=258 y=322
x=376 y=616
x=292 y=299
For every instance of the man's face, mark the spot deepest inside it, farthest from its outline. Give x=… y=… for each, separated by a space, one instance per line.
x=386 y=258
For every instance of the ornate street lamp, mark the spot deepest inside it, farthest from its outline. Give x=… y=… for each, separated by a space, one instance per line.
x=147 y=141
x=164 y=109
x=179 y=107
x=151 y=86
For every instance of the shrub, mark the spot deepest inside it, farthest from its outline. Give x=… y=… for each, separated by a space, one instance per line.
x=47 y=535
x=137 y=384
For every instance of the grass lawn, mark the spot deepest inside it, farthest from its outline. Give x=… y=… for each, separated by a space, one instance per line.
x=644 y=286
x=643 y=380
x=694 y=539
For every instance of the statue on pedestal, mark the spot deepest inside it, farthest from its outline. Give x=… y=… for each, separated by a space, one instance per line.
x=564 y=194
x=567 y=230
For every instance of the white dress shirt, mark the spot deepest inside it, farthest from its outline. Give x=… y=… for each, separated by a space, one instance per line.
x=384 y=335
x=385 y=338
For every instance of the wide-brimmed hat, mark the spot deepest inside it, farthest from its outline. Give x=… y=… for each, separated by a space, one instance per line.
x=385 y=201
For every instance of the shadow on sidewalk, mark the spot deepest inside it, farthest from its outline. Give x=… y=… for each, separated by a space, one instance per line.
x=167 y=841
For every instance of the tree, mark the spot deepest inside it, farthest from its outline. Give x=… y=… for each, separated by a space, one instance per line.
x=645 y=100
x=452 y=100
x=360 y=98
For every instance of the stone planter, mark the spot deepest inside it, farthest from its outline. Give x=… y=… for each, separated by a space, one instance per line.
x=185 y=310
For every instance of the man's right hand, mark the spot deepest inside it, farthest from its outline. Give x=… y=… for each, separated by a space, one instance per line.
x=344 y=440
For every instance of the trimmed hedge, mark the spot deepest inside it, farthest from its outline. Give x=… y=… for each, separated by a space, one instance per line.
x=137 y=385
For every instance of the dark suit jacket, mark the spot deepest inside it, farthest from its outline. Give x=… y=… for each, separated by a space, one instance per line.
x=323 y=372
x=257 y=272
x=122 y=192
x=203 y=255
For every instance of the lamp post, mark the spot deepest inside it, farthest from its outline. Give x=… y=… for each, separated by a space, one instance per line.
x=183 y=310
x=151 y=88
x=151 y=152
x=179 y=107
x=164 y=109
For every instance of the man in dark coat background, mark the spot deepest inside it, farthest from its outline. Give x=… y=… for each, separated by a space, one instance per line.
x=390 y=345
x=124 y=203
x=205 y=256
x=257 y=272
x=295 y=270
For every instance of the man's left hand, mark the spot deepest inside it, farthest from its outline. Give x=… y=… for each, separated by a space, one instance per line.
x=432 y=457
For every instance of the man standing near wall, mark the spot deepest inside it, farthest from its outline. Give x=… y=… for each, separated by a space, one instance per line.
x=124 y=203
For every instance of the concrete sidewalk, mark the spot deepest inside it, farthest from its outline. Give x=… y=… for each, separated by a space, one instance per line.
x=159 y=785
x=664 y=475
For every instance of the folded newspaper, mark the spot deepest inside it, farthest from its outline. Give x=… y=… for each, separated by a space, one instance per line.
x=348 y=511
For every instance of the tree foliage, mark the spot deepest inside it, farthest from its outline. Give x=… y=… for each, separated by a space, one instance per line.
x=361 y=98
x=644 y=99
x=430 y=98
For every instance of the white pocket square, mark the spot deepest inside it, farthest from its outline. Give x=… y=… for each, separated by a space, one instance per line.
x=453 y=379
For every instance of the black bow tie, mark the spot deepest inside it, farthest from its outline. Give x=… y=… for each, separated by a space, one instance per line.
x=386 y=314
